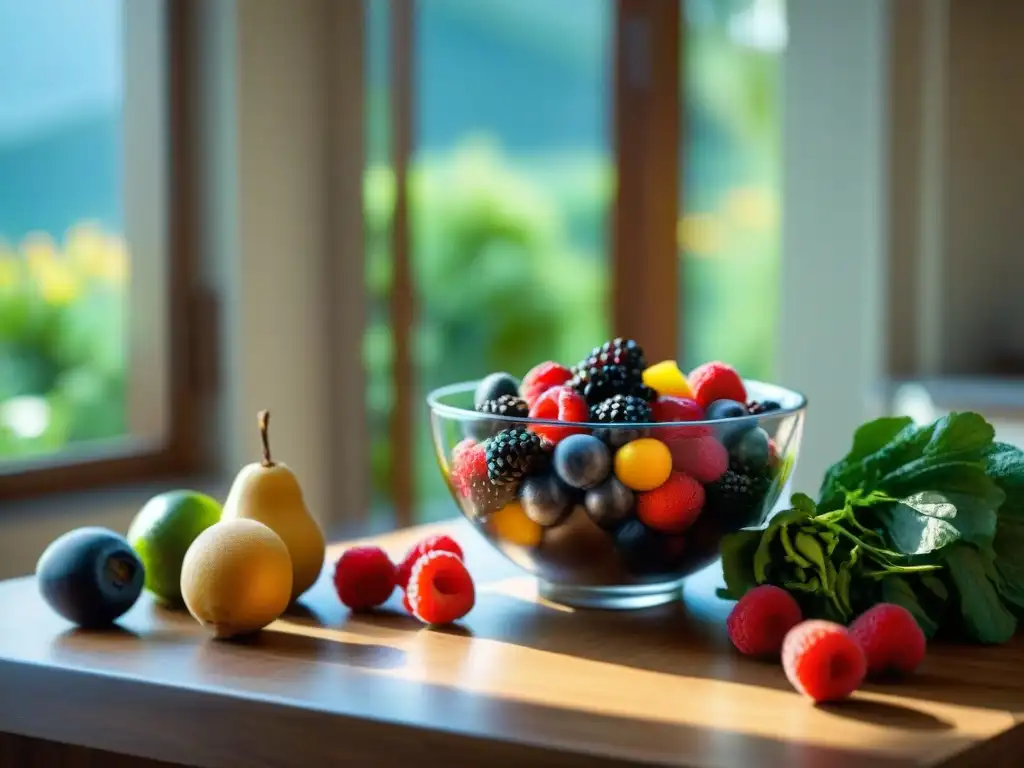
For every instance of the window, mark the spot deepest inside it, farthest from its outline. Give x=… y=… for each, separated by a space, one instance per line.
x=513 y=123
x=86 y=379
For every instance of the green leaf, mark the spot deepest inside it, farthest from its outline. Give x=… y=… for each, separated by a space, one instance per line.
x=973 y=517
x=985 y=617
x=875 y=435
x=737 y=554
x=792 y=555
x=809 y=546
x=960 y=433
x=948 y=477
x=896 y=589
x=763 y=556
x=1004 y=464
x=912 y=533
x=934 y=585
x=803 y=503
x=1009 y=560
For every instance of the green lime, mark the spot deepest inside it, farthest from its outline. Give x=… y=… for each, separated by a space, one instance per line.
x=161 y=534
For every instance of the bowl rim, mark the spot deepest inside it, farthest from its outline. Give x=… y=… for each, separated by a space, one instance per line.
x=463 y=414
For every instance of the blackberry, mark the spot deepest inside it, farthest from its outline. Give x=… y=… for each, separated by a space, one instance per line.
x=506 y=405
x=486 y=498
x=765 y=406
x=618 y=351
x=599 y=383
x=738 y=495
x=621 y=409
x=513 y=453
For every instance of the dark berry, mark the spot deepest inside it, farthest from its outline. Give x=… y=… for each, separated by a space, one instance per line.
x=506 y=405
x=738 y=496
x=755 y=407
x=725 y=409
x=738 y=420
x=601 y=383
x=618 y=351
x=646 y=551
x=493 y=386
x=752 y=448
x=621 y=409
x=546 y=500
x=582 y=461
x=610 y=504
x=514 y=453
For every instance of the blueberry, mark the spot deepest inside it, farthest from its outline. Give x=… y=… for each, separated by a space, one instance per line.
x=546 y=500
x=646 y=551
x=582 y=461
x=618 y=436
x=725 y=409
x=90 y=576
x=610 y=504
x=493 y=386
x=751 y=448
x=734 y=412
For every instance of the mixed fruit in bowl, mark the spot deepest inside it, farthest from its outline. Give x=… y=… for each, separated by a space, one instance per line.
x=612 y=480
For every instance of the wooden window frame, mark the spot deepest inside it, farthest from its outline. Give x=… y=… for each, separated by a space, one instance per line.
x=160 y=401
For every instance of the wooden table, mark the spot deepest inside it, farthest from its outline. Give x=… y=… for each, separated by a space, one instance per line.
x=521 y=683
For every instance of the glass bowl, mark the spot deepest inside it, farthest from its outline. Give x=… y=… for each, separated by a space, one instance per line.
x=594 y=541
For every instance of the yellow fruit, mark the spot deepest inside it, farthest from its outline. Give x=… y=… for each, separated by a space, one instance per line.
x=236 y=577
x=269 y=492
x=643 y=464
x=511 y=524
x=665 y=378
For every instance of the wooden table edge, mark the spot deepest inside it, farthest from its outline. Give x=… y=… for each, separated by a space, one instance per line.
x=157 y=721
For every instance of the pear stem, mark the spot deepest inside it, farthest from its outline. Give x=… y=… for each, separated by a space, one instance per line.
x=263 y=420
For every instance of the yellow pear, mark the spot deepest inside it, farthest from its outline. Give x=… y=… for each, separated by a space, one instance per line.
x=269 y=492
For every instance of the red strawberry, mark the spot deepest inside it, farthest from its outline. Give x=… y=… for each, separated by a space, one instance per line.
x=716 y=381
x=469 y=464
x=673 y=506
x=759 y=622
x=440 y=588
x=429 y=544
x=892 y=641
x=822 y=660
x=560 y=403
x=540 y=379
x=704 y=458
x=364 y=577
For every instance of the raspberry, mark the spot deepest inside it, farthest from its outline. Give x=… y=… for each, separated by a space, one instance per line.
x=671 y=408
x=759 y=622
x=673 y=506
x=559 y=403
x=440 y=588
x=716 y=381
x=676 y=409
x=541 y=378
x=364 y=577
x=892 y=641
x=704 y=458
x=469 y=464
x=822 y=660
x=429 y=544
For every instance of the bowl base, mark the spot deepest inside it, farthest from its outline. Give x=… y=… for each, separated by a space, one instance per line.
x=612 y=598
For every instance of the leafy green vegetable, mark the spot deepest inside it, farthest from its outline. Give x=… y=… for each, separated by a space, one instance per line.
x=985 y=617
x=930 y=517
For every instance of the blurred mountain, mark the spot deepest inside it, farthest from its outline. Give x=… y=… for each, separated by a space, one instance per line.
x=69 y=172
